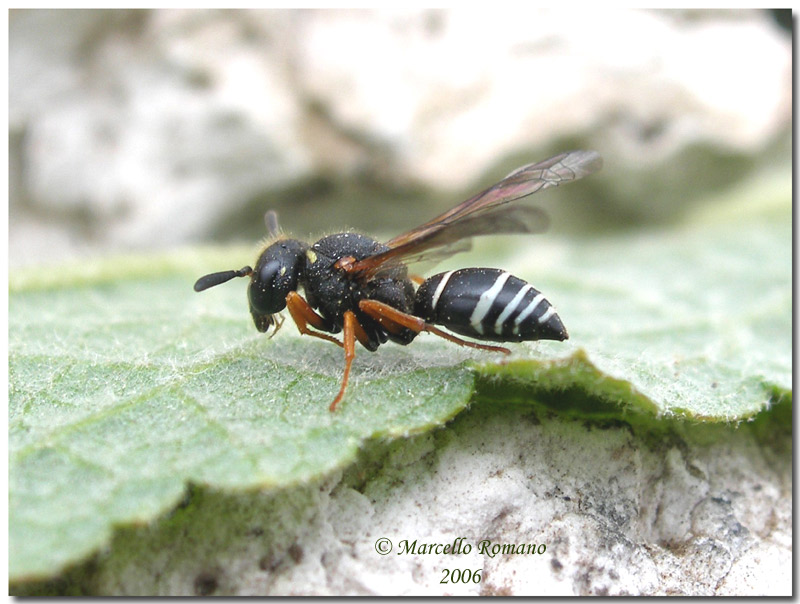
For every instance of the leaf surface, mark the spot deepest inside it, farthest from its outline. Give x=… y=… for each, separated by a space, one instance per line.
x=125 y=385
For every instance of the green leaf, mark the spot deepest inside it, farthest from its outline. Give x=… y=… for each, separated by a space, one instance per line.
x=125 y=385
x=696 y=322
x=121 y=394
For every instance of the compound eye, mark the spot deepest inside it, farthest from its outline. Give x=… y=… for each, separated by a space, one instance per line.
x=269 y=273
x=275 y=275
x=266 y=292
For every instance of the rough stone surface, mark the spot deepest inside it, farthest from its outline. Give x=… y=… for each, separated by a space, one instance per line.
x=139 y=129
x=621 y=510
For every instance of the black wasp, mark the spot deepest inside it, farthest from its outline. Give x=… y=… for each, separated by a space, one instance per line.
x=355 y=284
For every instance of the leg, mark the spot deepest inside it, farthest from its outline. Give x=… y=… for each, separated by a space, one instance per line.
x=391 y=319
x=360 y=334
x=303 y=314
x=350 y=323
x=278 y=325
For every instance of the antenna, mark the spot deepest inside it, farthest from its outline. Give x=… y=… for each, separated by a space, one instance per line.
x=213 y=279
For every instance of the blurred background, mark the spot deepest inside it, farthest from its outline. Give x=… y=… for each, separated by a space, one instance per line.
x=138 y=130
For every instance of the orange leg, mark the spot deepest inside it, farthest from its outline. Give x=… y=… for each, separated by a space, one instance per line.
x=351 y=326
x=361 y=335
x=303 y=315
x=390 y=318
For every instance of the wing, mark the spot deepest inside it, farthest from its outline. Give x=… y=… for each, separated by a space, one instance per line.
x=443 y=243
x=484 y=213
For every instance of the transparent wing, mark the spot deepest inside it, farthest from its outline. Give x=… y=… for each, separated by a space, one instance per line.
x=484 y=213
x=458 y=237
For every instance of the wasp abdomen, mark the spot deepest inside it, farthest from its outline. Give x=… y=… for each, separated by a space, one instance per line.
x=488 y=304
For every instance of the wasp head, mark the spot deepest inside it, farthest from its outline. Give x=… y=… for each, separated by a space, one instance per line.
x=275 y=275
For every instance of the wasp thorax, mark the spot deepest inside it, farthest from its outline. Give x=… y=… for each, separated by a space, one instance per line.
x=276 y=274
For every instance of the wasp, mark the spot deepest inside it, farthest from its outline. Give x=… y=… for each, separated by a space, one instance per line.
x=361 y=288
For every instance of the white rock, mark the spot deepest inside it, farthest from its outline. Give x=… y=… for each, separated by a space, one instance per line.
x=135 y=129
